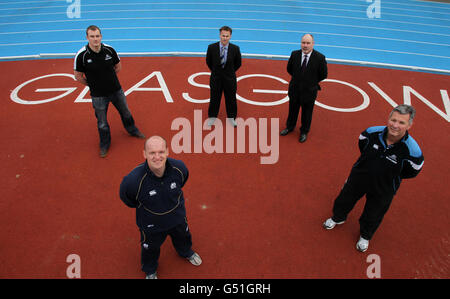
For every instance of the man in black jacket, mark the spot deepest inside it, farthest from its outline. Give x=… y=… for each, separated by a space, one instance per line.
x=153 y=188
x=307 y=67
x=223 y=59
x=388 y=155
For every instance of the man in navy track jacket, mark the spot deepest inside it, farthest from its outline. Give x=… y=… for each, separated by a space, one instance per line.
x=153 y=188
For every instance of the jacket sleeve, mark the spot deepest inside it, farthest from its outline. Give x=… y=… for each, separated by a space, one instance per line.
x=363 y=141
x=186 y=177
x=185 y=172
x=323 y=69
x=209 y=58
x=290 y=65
x=128 y=192
x=237 y=59
x=413 y=164
x=411 y=167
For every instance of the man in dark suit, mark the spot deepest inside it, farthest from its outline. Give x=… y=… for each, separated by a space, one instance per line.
x=307 y=67
x=223 y=59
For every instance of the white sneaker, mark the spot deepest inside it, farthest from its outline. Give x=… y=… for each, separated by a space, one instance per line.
x=211 y=121
x=362 y=245
x=233 y=122
x=151 y=276
x=330 y=223
x=195 y=259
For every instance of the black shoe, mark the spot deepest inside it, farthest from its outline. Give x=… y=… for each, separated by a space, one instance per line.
x=285 y=132
x=139 y=135
x=302 y=138
x=103 y=152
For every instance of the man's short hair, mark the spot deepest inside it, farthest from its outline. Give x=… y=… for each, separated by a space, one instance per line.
x=93 y=28
x=226 y=28
x=405 y=109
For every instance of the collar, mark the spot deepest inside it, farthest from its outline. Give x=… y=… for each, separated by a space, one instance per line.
x=90 y=51
x=309 y=54
x=383 y=136
x=153 y=175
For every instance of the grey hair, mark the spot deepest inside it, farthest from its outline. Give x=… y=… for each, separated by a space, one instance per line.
x=405 y=109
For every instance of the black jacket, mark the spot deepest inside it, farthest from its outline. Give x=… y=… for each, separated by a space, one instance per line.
x=385 y=166
x=234 y=60
x=307 y=82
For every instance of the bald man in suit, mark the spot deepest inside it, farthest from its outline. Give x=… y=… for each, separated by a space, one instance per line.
x=307 y=67
x=223 y=59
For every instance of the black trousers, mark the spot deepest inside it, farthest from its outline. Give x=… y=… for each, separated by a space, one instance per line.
x=306 y=102
x=151 y=244
x=376 y=206
x=228 y=86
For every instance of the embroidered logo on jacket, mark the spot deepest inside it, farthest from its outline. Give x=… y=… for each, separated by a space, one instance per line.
x=173 y=185
x=392 y=158
x=153 y=192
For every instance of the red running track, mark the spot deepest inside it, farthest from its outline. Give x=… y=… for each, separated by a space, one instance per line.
x=248 y=220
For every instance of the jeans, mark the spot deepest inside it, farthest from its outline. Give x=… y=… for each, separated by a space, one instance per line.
x=101 y=104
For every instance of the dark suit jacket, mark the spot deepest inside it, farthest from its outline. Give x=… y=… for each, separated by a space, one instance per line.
x=306 y=84
x=234 y=60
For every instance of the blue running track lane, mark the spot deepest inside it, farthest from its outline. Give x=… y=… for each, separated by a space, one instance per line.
x=402 y=33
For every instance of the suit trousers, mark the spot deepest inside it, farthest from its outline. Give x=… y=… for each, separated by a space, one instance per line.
x=376 y=206
x=228 y=86
x=307 y=105
x=151 y=244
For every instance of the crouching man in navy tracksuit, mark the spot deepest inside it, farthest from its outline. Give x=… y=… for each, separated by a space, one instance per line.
x=154 y=189
x=388 y=155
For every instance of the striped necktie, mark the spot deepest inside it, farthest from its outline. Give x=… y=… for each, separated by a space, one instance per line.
x=223 y=57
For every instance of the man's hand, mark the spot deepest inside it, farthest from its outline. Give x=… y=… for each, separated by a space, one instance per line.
x=79 y=76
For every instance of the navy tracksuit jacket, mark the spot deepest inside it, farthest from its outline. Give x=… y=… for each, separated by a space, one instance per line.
x=159 y=202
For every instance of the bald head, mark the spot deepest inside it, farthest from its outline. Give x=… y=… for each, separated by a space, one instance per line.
x=309 y=36
x=307 y=43
x=153 y=140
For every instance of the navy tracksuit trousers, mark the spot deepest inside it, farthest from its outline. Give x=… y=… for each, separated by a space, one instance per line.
x=151 y=243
